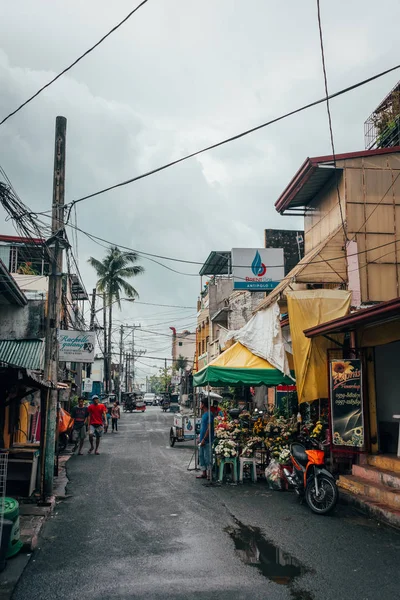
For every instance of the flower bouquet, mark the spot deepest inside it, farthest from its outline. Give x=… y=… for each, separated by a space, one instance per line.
x=226 y=449
x=252 y=444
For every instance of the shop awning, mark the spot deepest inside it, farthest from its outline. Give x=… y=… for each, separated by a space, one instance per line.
x=376 y=325
x=239 y=366
x=326 y=264
x=306 y=308
x=26 y=354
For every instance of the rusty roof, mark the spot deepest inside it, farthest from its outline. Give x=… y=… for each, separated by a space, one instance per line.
x=314 y=173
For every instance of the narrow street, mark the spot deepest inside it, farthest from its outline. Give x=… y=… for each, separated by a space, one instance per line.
x=137 y=524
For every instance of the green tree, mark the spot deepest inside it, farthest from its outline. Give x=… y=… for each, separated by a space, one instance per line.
x=161 y=383
x=113 y=272
x=180 y=363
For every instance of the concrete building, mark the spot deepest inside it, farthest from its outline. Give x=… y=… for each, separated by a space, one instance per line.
x=183 y=344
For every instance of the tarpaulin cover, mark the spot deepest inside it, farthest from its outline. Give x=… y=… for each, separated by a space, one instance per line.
x=308 y=309
x=239 y=366
x=262 y=335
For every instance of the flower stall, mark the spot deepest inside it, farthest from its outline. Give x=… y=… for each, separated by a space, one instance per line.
x=266 y=438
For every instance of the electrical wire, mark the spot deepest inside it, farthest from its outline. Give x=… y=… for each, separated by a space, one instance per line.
x=128 y=16
x=234 y=137
x=330 y=118
x=142 y=254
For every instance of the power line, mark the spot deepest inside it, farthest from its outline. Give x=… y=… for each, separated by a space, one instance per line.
x=146 y=254
x=330 y=118
x=314 y=262
x=234 y=137
x=166 y=305
x=74 y=63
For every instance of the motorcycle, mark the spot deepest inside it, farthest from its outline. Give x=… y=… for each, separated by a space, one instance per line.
x=165 y=405
x=310 y=477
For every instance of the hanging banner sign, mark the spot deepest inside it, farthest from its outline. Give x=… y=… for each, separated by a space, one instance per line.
x=346 y=403
x=76 y=346
x=257 y=270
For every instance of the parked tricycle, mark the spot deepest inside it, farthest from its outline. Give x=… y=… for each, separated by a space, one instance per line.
x=184 y=429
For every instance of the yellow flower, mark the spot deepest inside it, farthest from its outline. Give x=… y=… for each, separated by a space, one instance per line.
x=341 y=366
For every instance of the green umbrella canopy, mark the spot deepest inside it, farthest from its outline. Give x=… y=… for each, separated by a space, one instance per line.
x=238 y=366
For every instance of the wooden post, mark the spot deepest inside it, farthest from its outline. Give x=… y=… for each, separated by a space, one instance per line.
x=54 y=303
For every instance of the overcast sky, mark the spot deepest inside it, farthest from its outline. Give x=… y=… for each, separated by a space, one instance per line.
x=177 y=76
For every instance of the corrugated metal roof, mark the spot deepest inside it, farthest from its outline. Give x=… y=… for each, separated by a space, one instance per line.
x=380 y=313
x=27 y=354
x=217 y=263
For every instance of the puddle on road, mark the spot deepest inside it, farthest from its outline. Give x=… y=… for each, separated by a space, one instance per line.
x=274 y=564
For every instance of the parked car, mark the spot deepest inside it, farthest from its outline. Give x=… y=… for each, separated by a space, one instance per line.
x=149 y=399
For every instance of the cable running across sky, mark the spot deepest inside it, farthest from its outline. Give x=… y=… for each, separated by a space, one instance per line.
x=128 y=16
x=233 y=138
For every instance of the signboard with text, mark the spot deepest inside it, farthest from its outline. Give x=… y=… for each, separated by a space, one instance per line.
x=346 y=403
x=76 y=346
x=257 y=270
x=87 y=385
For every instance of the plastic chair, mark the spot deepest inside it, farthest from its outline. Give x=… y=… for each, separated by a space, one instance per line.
x=228 y=461
x=248 y=461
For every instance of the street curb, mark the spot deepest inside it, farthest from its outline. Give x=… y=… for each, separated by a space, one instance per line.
x=373 y=510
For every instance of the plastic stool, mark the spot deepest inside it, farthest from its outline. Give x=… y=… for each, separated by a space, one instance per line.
x=248 y=461
x=228 y=461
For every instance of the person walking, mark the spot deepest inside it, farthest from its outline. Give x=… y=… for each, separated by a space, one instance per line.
x=97 y=419
x=115 y=415
x=206 y=439
x=80 y=416
x=108 y=418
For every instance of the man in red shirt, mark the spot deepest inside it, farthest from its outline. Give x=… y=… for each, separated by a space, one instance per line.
x=96 y=420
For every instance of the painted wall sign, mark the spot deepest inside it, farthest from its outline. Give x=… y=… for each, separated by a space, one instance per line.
x=257 y=269
x=76 y=346
x=346 y=403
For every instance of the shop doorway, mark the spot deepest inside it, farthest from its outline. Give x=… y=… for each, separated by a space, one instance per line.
x=387 y=374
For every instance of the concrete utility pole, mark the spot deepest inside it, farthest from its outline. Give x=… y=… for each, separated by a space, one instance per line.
x=128 y=361
x=56 y=244
x=93 y=310
x=91 y=327
x=134 y=354
x=121 y=368
x=106 y=371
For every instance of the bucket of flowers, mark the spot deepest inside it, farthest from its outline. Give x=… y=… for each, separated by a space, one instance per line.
x=251 y=446
x=226 y=449
x=225 y=429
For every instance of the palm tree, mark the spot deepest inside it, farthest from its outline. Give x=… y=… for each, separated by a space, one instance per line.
x=181 y=363
x=112 y=272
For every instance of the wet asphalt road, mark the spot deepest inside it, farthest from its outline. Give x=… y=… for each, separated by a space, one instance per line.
x=139 y=525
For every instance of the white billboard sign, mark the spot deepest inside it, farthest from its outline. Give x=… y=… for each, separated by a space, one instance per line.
x=257 y=269
x=87 y=385
x=76 y=346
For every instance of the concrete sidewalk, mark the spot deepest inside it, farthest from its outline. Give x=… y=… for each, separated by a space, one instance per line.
x=32 y=518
